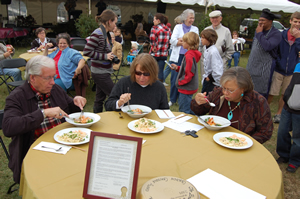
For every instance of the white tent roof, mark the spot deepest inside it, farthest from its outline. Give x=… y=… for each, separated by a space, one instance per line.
x=273 y=5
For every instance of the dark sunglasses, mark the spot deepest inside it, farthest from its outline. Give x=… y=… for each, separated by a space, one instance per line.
x=140 y=73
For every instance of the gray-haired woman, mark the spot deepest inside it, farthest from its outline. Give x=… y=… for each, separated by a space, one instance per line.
x=188 y=18
x=236 y=100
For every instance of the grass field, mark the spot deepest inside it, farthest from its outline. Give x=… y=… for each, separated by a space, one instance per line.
x=291 y=181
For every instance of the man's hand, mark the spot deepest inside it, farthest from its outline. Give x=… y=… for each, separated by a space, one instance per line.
x=295 y=32
x=55 y=112
x=259 y=28
x=79 y=101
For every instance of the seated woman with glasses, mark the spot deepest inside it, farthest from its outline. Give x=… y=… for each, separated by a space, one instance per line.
x=236 y=100
x=40 y=42
x=141 y=87
x=68 y=61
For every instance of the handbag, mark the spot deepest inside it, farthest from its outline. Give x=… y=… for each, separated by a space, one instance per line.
x=294 y=102
x=239 y=47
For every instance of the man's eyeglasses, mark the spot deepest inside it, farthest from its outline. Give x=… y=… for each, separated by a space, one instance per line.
x=229 y=91
x=140 y=73
x=48 y=78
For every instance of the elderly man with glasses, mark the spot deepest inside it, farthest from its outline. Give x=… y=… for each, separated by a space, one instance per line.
x=34 y=108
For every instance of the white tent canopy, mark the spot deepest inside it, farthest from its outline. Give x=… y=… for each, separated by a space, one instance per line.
x=274 y=5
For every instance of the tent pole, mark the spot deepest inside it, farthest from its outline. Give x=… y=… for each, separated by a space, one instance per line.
x=90 y=11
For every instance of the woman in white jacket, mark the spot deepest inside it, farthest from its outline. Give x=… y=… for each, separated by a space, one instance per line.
x=188 y=17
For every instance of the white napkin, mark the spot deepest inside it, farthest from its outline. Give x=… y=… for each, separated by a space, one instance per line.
x=180 y=118
x=215 y=186
x=63 y=150
x=181 y=127
x=164 y=114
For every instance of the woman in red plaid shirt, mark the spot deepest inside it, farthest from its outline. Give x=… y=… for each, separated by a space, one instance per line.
x=159 y=40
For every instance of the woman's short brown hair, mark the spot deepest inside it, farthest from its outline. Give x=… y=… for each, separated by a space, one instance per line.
x=147 y=64
x=65 y=36
x=40 y=29
x=106 y=15
x=210 y=35
x=192 y=39
x=242 y=77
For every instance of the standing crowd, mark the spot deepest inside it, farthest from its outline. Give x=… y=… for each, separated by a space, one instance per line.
x=240 y=95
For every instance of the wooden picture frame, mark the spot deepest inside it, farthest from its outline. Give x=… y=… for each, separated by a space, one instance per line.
x=112 y=166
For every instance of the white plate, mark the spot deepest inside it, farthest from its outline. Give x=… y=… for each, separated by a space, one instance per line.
x=61 y=132
x=135 y=106
x=93 y=116
x=159 y=127
x=217 y=136
x=219 y=120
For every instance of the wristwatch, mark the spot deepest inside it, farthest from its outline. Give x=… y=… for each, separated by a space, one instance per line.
x=43 y=113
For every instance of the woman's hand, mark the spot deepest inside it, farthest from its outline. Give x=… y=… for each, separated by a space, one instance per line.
x=124 y=98
x=179 y=42
x=77 y=71
x=110 y=56
x=79 y=101
x=200 y=98
x=7 y=54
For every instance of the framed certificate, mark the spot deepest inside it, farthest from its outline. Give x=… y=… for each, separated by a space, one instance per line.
x=112 y=166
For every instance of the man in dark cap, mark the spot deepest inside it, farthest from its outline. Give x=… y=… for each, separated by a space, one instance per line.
x=263 y=55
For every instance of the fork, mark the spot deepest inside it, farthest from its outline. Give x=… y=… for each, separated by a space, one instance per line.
x=128 y=100
x=52 y=148
x=81 y=114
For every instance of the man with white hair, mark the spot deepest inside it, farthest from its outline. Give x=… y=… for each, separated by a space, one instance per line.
x=224 y=42
x=34 y=108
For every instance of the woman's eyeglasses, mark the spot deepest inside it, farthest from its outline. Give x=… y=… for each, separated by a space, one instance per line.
x=229 y=91
x=138 y=73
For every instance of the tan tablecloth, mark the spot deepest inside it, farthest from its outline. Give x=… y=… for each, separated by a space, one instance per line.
x=168 y=153
x=28 y=56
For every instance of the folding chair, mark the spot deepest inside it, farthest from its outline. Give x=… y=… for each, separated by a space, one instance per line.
x=11 y=63
x=22 y=38
x=10 y=190
x=78 y=43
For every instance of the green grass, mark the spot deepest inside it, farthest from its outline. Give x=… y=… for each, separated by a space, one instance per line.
x=291 y=181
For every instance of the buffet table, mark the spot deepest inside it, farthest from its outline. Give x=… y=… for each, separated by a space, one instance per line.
x=167 y=153
x=11 y=33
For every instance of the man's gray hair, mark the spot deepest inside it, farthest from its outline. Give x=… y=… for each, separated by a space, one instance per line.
x=34 y=65
x=186 y=13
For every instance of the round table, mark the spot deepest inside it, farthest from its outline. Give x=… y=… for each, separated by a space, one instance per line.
x=28 y=56
x=168 y=153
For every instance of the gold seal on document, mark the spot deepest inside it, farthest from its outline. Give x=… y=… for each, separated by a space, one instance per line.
x=168 y=187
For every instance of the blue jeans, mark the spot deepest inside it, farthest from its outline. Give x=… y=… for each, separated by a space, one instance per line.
x=289 y=121
x=161 y=66
x=174 y=91
x=235 y=56
x=14 y=72
x=184 y=102
x=167 y=71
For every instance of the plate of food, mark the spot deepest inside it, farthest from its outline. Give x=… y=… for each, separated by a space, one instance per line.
x=136 y=111
x=33 y=51
x=233 y=140
x=73 y=136
x=213 y=122
x=86 y=120
x=145 y=126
